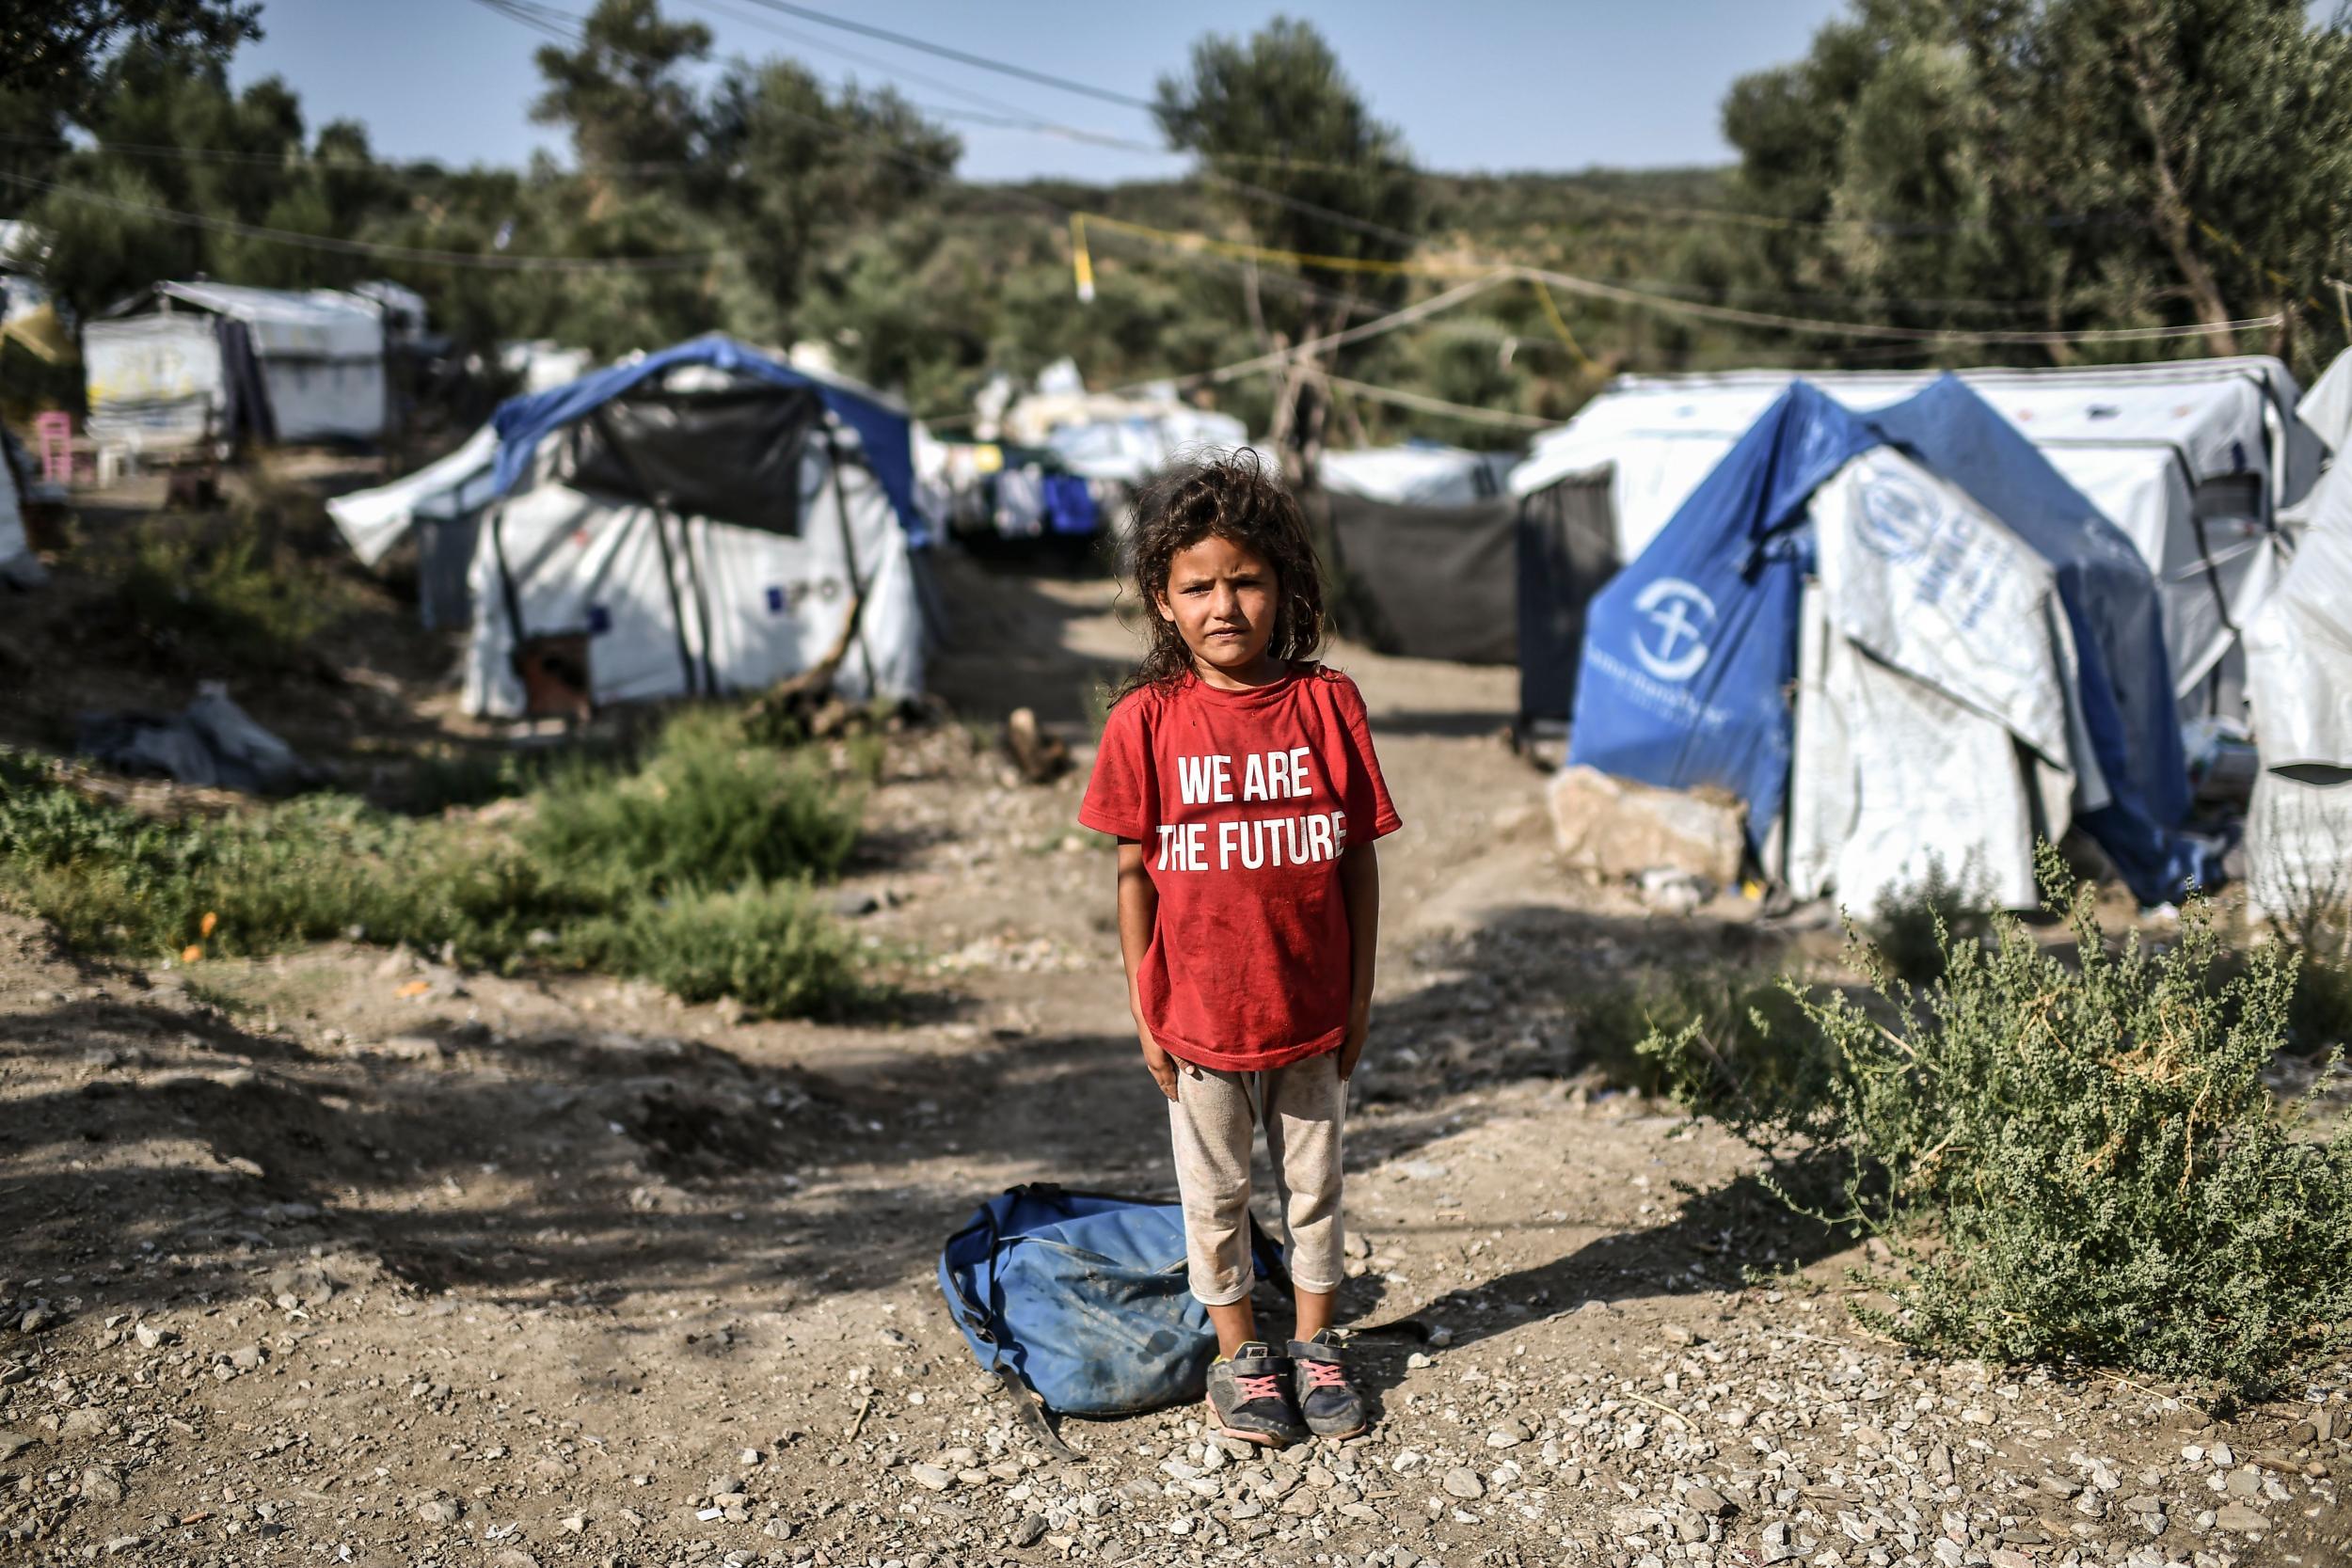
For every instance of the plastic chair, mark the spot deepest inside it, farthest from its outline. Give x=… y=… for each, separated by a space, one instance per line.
x=53 y=433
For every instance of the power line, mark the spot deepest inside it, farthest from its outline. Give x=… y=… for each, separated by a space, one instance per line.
x=1003 y=68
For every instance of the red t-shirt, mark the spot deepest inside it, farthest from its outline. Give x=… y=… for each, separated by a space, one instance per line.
x=1243 y=801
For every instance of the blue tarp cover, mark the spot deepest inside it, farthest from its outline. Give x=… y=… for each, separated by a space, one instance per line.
x=1690 y=652
x=883 y=432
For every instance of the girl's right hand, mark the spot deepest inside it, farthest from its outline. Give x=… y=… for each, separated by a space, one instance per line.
x=1161 y=1064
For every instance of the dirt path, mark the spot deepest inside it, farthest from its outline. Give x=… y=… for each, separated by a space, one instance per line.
x=346 y=1258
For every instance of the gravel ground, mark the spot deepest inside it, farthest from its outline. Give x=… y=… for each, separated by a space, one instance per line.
x=347 y=1257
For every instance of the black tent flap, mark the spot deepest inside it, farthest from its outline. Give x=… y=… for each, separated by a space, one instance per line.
x=731 y=455
x=1427 y=581
x=1568 y=549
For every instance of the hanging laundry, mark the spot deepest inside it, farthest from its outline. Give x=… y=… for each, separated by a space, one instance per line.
x=1070 y=506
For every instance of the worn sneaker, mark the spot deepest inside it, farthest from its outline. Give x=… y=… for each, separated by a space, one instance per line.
x=1250 y=1396
x=1329 y=1404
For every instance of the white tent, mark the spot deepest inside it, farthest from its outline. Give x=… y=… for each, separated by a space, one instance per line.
x=665 y=600
x=2192 y=459
x=776 y=602
x=163 y=373
x=1416 y=474
x=2299 y=653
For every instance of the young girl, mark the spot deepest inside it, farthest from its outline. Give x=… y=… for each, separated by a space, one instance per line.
x=1239 y=779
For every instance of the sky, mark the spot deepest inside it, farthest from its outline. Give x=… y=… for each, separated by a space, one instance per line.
x=1475 y=85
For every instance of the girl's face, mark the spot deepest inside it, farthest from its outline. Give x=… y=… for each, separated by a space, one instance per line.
x=1222 y=597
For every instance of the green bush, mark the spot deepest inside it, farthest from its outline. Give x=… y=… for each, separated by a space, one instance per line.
x=2076 y=1161
x=770 y=947
x=706 y=809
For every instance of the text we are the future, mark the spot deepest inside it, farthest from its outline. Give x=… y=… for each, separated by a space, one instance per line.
x=1300 y=838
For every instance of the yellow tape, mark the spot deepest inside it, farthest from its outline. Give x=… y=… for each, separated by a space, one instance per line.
x=1081 y=264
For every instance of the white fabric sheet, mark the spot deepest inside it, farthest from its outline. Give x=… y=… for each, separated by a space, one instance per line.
x=321 y=324
x=2326 y=408
x=1935 y=725
x=1415 y=475
x=151 y=381
x=372 y=521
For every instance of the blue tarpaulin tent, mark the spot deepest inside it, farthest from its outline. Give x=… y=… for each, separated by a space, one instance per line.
x=1690 y=653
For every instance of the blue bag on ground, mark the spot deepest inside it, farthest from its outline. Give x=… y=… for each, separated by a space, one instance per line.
x=1081 y=1300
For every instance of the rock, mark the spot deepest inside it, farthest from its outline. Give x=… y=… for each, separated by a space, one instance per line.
x=1509 y=1436
x=573 y=1523
x=852 y=903
x=151 y=1337
x=2222 y=1457
x=931 y=1478
x=1940 y=1463
x=1418 y=1362
x=88 y=1421
x=1707 y=1501
x=2103 y=1477
x=100 y=1485
x=15 y=1443
x=1462 y=1481
x=439 y=1511
x=1031 y=1531
x=37 y=1319
x=2239 y=1519
x=117 y=1545
x=1617 y=828
x=2244 y=1482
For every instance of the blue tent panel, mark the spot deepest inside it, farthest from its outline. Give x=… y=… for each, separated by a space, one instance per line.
x=1690 y=651
x=883 y=432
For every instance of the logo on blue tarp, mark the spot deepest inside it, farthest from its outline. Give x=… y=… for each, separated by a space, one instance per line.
x=1680 y=616
x=599 y=619
x=1898 y=518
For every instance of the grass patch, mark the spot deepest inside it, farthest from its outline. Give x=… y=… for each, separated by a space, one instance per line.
x=1729 y=1013
x=227 y=589
x=2076 y=1161
x=688 y=870
x=706 y=809
x=768 y=943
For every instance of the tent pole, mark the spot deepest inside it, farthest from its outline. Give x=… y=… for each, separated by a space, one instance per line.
x=662 y=539
x=848 y=558
x=512 y=600
x=702 y=602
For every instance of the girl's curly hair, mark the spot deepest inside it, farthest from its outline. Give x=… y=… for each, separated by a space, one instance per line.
x=1233 y=496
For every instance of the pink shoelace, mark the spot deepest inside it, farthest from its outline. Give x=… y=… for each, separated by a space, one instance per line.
x=1324 y=1374
x=1255 y=1388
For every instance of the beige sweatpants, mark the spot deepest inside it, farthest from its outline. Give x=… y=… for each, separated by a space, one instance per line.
x=1212 y=1117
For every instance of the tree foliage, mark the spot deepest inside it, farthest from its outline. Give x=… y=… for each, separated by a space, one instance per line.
x=2064 y=165
x=1942 y=164
x=1306 y=169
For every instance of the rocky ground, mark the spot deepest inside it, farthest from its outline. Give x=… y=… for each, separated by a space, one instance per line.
x=346 y=1256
